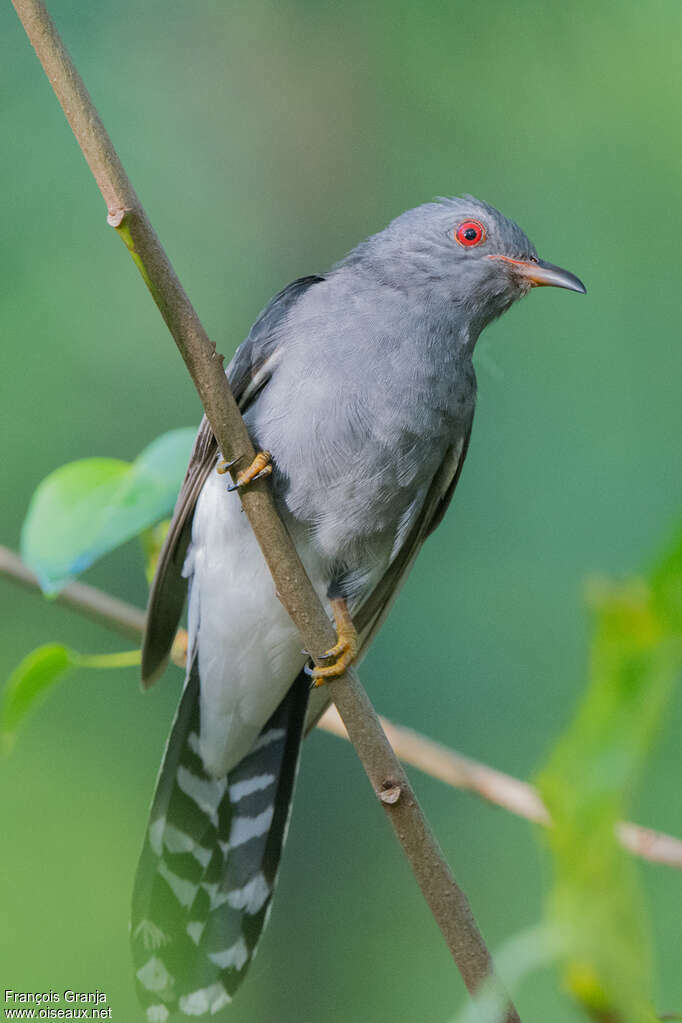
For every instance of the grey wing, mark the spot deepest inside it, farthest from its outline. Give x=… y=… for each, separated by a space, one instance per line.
x=252 y=364
x=248 y=373
x=375 y=608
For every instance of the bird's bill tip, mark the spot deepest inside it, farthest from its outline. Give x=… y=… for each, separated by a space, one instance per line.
x=541 y=274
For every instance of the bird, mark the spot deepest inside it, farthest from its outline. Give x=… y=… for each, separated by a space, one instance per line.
x=358 y=390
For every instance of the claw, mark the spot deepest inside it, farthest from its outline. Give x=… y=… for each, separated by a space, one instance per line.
x=308 y=670
x=344 y=651
x=222 y=467
x=261 y=466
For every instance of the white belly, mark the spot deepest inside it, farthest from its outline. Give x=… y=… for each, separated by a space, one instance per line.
x=249 y=651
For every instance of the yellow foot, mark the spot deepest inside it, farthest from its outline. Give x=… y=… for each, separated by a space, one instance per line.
x=344 y=651
x=260 y=467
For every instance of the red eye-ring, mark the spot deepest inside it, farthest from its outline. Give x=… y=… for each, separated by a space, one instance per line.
x=471 y=232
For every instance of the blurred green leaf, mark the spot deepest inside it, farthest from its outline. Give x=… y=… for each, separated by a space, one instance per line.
x=521 y=955
x=666 y=586
x=38 y=672
x=85 y=509
x=595 y=901
x=28 y=685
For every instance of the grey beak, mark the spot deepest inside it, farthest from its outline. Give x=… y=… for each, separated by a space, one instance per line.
x=545 y=275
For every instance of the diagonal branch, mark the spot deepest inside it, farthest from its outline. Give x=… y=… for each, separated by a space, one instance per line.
x=431 y=757
x=89 y=601
x=126 y=214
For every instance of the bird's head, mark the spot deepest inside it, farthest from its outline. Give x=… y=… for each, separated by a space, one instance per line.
x=461 y=255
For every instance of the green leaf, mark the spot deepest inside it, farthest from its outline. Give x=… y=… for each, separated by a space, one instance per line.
x=32 y=679
x=666 y=585
x=87 y=508
x=595 y=903
x=28 y=685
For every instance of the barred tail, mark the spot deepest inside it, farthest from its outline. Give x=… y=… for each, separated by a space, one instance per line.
x=209 y=863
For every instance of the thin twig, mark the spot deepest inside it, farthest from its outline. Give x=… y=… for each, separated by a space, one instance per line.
x=125 y=212
x=429 y=756
x=512 y=794
x=96 y=604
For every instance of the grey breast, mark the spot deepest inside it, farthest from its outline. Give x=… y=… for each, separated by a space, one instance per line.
x=367 y=394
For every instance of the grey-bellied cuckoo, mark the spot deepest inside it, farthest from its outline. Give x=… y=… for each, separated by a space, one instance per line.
x=358 y=388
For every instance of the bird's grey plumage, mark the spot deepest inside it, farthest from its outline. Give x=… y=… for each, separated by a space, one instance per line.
x=360 y=383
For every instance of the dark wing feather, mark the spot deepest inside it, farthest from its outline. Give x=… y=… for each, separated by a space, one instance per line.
x=374 y=610
x=169 y=588
x=248 y=373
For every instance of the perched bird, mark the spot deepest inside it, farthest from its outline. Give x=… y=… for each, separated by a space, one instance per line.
x=357 y=386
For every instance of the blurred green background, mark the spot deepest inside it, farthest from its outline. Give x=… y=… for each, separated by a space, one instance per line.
x=266 y=139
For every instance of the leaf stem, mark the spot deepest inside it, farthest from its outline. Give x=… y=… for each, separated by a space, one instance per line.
x=124 y=659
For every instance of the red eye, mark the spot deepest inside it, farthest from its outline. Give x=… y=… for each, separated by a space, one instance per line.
x=471 y=232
